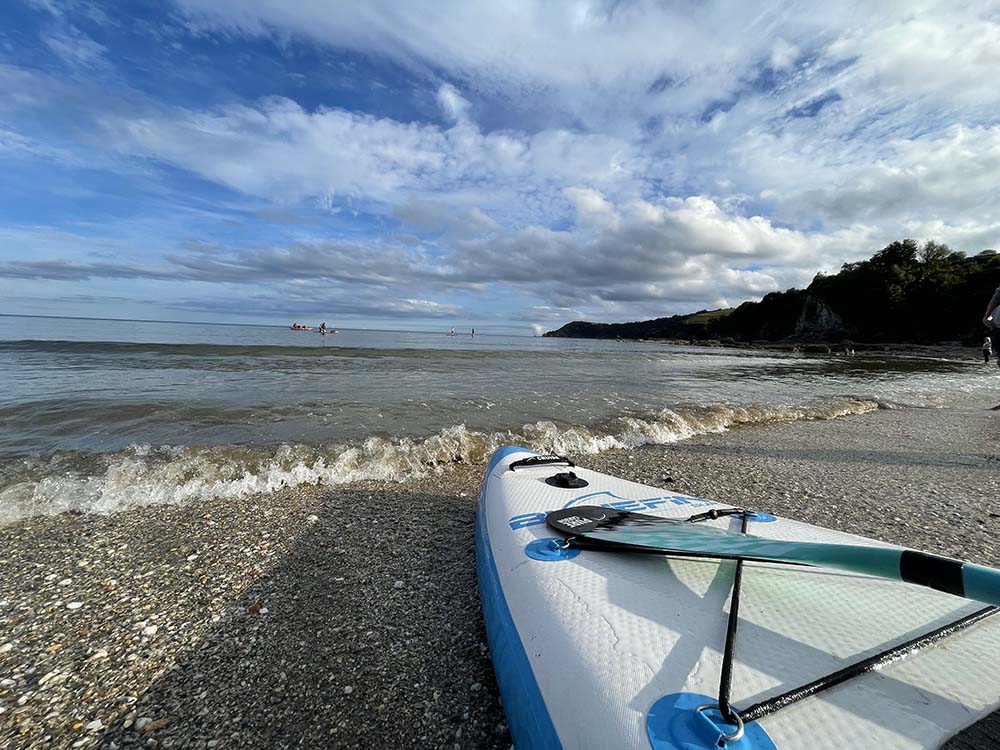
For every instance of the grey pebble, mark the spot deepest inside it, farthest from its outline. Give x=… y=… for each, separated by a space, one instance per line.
x=418 y=661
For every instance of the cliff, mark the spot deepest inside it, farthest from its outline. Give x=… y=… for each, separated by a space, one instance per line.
x=905 y=293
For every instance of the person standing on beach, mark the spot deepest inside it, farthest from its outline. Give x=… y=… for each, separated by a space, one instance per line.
x=987 y=350
x=990 y=322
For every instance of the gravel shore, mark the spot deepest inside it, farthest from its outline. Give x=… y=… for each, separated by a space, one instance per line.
x=349 y=617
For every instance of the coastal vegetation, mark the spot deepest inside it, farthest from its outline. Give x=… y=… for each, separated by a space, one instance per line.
x=904 y=293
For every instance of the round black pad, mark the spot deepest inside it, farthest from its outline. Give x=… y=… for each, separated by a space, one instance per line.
x=568 y=480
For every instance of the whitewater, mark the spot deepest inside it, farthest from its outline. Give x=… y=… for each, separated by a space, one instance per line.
x=101 y=416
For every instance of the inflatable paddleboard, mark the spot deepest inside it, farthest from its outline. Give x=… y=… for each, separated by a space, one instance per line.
x=613 y=649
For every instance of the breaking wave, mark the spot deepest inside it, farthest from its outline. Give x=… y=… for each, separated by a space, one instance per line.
x=143 y=475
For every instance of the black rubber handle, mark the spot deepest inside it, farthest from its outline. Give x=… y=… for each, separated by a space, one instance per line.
x=540 y=461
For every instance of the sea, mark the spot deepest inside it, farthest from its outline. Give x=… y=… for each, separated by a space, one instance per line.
x=100 y=415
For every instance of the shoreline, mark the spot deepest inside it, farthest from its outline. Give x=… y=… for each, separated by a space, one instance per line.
x=348 y=616
x=808 y=346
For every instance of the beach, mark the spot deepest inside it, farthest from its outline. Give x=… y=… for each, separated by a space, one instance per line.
x=348 y=616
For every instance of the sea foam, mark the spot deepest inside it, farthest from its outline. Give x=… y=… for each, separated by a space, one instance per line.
x=144 y=475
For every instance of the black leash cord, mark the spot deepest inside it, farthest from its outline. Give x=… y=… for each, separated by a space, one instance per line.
x=769 y=706
x=726 y=679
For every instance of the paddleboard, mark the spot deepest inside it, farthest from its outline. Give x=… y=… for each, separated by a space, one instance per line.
x=597 y=649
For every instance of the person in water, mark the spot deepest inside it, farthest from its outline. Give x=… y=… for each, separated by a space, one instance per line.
x=473 y=331
x=987 y=350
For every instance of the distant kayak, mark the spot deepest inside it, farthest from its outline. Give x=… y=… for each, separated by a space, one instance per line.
x=301 y=328
x=328 y=330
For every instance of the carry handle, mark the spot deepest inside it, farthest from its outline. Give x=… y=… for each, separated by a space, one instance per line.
x=540 y=461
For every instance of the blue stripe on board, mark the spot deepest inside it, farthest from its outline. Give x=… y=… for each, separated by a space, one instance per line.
x=530 y=725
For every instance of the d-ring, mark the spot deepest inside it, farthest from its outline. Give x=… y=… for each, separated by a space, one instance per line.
x=735 y=736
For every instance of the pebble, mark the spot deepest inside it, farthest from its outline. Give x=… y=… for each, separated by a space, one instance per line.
x=94 y=726
x=216 y=672
x=74 y=605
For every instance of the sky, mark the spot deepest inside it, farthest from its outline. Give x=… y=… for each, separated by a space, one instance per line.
x=509 y=165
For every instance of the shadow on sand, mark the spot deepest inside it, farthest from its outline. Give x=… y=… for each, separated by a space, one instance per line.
x=367 y=634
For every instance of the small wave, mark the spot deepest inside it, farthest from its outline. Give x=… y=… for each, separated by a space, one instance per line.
x=145 y=475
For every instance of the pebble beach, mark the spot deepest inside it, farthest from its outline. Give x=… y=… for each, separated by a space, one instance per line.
x=348 y=617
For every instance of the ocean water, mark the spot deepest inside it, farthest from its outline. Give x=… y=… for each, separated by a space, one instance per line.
x=97 y=416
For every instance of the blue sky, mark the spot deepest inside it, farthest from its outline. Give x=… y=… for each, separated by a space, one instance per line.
x=502 y=165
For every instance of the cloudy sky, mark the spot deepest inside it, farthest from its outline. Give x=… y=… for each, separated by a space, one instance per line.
x=424 y=164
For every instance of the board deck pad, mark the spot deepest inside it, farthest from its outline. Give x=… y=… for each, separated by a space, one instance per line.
x=585 y=644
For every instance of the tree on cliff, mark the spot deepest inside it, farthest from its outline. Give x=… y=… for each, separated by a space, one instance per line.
x=906 y=292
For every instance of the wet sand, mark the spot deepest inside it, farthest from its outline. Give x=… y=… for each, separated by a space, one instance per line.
x=348 y=617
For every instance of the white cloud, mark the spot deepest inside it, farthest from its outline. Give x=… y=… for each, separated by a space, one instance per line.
x=278 y=150
x=454 y=106
x=665 y=156
x=75 y=48
x=592 y=207
x=783 y=54
x=663 y=257
x=950 y=178
x=949 y=53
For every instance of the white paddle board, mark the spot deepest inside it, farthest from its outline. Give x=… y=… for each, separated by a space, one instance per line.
x=612 y=650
